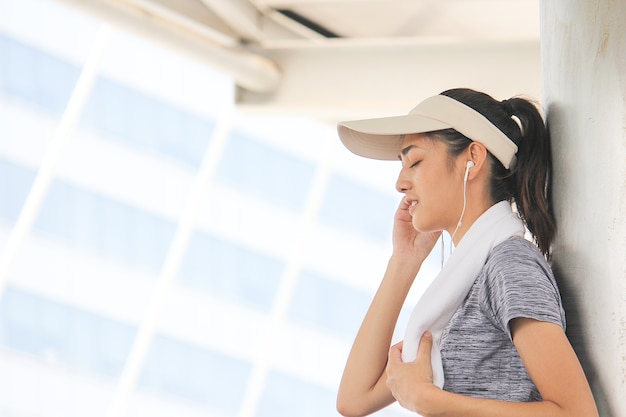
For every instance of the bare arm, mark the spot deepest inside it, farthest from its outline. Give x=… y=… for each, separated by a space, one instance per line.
x=548 y=357
x=363 y=388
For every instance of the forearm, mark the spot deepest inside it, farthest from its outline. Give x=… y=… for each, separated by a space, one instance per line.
x=446 y=404
x=363 y=387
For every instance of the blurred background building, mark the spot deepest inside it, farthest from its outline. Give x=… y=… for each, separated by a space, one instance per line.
x=290 y=237
x=181 y=231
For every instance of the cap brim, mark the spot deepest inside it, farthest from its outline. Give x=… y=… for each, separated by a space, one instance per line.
x=382 y=138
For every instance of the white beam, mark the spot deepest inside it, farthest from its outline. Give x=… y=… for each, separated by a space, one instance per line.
x=292 y=3
x=200 y=21
x=349 y=81
x=238 y=14
x=306 y=33
x=164 y=26
x=249 y=21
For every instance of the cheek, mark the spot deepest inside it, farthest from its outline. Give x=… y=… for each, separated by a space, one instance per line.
x=436 y=200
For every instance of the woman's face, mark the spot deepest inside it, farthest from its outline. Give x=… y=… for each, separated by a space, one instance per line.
x=431 y=183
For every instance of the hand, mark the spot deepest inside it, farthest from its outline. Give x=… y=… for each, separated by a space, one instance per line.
x=411 y=383
x=407 y=241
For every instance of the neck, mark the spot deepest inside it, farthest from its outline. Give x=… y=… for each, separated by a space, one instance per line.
x=474 y=209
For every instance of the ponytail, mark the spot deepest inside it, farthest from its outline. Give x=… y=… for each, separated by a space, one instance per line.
x=528 y=183
x=532 y=173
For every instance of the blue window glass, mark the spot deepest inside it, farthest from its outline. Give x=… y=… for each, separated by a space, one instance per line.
x=195 y=374
x=77 y=338
x=15 y=183
x=223 y=268
x=83 y=340
x=107 y=227
x=146 y=123
x=34 y=77
x=114 y=230
x=89 y=220
x=287 y=396
x=328 y=305
x=265 y=172
x=358 y=209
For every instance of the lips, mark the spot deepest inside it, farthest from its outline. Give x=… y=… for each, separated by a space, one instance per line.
x=412 y=205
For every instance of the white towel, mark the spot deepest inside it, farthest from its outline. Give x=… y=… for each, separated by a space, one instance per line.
x=448 y=290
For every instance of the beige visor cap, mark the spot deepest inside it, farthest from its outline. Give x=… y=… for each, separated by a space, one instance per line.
x=381 y=138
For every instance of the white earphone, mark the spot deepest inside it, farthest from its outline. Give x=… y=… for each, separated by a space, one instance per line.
x=468 y=166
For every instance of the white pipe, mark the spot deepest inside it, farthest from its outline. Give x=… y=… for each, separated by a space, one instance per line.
x=257 y=23
x=297 y=3
x=250 y=71
x=171 y=265
x=240 y=15
x=44 y=176
x=175 y=18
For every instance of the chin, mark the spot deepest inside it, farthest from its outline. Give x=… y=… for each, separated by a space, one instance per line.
x=425 y=227
x=421 y=227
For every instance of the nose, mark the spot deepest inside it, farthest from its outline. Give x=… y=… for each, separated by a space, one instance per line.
x=402 y=184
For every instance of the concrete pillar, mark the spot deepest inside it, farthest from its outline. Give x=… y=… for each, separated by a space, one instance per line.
x=584 y=95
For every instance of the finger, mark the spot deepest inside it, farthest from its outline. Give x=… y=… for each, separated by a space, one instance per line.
x=402 y=213
x=425 y=346
x=403 y=207
x=395 y=353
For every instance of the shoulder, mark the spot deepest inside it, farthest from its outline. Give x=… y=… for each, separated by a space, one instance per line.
x=516 y=250
x=517 y=261
x=517 y=281
x=517 y=257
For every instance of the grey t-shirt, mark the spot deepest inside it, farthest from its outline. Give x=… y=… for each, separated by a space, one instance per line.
x=478 y=355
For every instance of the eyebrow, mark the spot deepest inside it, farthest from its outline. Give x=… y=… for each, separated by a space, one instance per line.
x=404 y=151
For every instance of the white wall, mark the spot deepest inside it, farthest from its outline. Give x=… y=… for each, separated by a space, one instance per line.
x=584 y=85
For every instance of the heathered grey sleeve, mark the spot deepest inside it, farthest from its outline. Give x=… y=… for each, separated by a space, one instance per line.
x=519 y=283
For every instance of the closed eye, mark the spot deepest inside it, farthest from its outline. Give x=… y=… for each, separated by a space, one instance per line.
x=416 y=163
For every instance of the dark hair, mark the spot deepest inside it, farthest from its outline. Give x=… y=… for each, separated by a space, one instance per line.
x=528 y=183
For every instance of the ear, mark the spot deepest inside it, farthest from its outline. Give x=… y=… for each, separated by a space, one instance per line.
x=477 y=153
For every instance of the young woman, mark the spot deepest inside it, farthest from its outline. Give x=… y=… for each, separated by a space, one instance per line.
x=487 y=337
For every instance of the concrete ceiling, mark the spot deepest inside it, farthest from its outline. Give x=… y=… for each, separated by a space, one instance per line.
x=336 y=59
